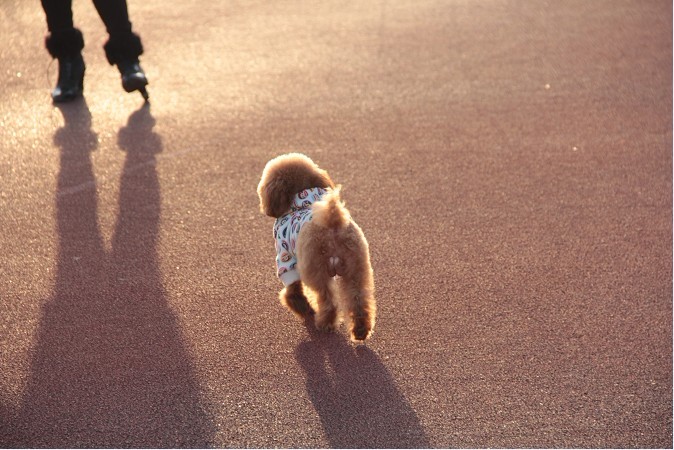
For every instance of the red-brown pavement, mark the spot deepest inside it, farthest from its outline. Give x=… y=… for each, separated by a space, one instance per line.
x=510 y=163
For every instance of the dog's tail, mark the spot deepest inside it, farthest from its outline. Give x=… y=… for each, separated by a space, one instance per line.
x=330 y=211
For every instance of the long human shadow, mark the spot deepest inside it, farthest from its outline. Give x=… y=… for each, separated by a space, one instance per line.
x=355 y=396
x=110 y=368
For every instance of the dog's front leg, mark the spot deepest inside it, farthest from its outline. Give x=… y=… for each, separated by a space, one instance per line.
x=292 y=296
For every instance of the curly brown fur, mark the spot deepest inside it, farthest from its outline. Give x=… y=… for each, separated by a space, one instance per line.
x=293 y=298
x=333 y=257
x=285 y=176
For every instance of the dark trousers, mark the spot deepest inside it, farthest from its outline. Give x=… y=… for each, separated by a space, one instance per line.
x=66 y=41
x=114 y=14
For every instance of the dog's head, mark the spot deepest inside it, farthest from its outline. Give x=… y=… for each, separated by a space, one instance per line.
x=283 y=177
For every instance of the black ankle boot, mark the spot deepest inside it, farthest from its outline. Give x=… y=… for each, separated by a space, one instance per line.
x=70 y=83
x=133 y=77
x=66 y=46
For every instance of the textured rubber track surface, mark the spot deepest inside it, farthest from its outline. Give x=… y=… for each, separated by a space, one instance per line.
x=510 y=163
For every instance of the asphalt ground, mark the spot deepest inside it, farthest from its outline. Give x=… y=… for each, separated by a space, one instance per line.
x=510 y=163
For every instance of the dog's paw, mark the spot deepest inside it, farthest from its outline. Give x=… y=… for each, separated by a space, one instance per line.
x=360 y=334
x=328 y=327
x=360 y=329
x=327 y=320
x=293 y=298
x=299 y=305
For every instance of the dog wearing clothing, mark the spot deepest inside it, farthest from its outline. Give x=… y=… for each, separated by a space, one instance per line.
x=318 y=246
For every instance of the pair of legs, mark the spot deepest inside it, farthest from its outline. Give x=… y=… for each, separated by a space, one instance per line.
x=354 y=295
x=114 y=14
x=65 y=43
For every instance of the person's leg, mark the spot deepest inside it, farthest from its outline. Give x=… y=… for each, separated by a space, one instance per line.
x=59 y=14
x=65 y=43
x=124 y=46
x=115 y=15
x=63 y=39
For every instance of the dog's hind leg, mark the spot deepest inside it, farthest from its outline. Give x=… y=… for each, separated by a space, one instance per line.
x=292 y=296
x=326 y=317
x=312 y=263
x=317 y=279
x=357 y=296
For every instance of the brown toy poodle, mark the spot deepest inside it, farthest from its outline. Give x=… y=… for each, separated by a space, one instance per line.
x=318 y=245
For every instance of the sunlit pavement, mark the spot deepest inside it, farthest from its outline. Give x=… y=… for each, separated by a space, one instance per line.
x=509 y=162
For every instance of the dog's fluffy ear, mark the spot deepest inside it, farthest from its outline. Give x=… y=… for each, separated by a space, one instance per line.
x=274 y=199
x=320 y=178
x=285 y=176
